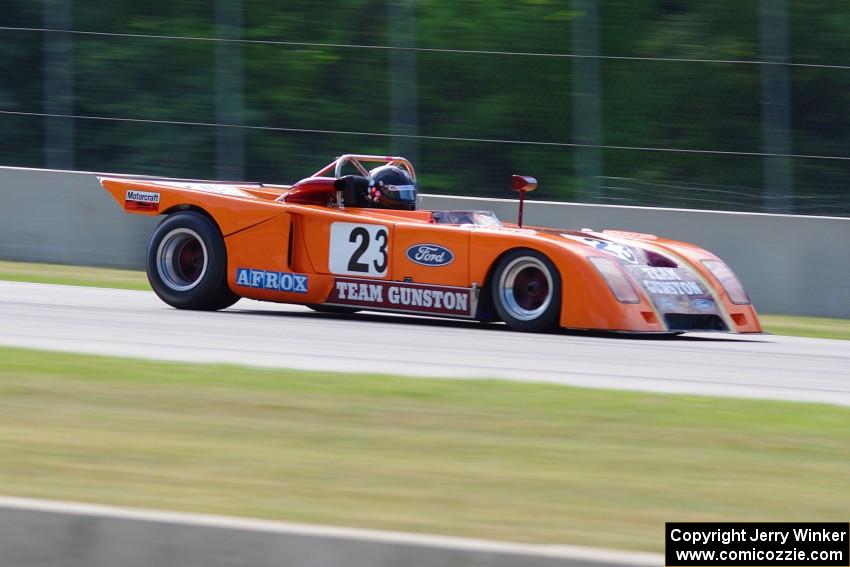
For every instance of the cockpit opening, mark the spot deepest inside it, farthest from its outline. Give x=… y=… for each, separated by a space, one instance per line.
x=474 y=218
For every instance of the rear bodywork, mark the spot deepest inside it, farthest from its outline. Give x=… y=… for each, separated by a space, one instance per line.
x=291 y=244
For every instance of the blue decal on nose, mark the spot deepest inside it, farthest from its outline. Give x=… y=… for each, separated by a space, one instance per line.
x=430 y=255
x=703 y=304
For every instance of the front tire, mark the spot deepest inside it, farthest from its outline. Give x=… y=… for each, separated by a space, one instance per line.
x=187 y=263
x=526 y=291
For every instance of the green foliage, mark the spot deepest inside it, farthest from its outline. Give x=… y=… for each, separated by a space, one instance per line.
x=684 y=105
x=21 y=138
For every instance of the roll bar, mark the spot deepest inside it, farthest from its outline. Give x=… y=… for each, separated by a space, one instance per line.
x=357 y=161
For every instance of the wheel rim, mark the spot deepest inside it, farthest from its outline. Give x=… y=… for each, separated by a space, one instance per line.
x=526 y=288
x=181 y=259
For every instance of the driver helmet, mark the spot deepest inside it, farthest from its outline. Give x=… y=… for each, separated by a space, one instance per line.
x=390 y=187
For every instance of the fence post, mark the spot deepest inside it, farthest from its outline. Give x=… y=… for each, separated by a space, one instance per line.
x=404 y=108
x=776 y=106
x=586 y=100
x=58 y=86
x=229 y=86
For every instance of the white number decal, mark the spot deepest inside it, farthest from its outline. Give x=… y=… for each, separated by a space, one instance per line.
x=359 y=249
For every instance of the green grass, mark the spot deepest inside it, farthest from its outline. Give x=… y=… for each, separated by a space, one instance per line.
x=73 y=275
x=492 y=459
x=127 y=279
x=816 y=327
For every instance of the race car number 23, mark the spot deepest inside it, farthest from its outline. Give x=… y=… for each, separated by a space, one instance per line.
x=359 y=249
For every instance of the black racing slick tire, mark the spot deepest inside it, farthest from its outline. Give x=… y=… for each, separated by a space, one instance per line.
x=187 y=263
x=526 y=291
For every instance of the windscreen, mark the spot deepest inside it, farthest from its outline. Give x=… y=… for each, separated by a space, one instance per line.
x=477 y=218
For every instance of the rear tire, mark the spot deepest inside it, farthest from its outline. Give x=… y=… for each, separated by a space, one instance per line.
x=526 y=291
x=187 y=263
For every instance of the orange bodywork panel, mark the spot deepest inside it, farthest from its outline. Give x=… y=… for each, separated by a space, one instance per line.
x=305 y=250
x=232 y=207
x=414 y=248
x=586 y=302
x=743 y=316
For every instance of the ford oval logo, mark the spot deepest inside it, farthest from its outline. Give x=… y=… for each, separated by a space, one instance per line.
x=703 y=304
x=430 y=255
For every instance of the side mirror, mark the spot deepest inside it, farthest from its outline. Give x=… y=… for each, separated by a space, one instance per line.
x=522 y=184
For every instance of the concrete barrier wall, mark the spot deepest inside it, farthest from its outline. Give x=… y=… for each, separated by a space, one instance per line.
x=67 y=218
x=47 y=534
x=789 y=264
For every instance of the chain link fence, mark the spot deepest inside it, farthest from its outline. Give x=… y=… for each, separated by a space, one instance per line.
x=671 y=103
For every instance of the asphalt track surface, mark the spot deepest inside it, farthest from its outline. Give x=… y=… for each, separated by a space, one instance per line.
x=137 y=324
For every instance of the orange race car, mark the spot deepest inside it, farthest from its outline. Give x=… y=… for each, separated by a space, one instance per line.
x=352 y=238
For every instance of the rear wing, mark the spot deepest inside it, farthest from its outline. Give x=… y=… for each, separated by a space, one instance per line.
x=232 y=206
